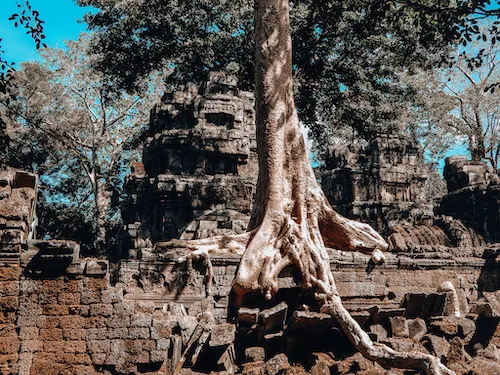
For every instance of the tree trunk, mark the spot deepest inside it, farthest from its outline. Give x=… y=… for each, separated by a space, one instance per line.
x=101 y=202
x=292 y=219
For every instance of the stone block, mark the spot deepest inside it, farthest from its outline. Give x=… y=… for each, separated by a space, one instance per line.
x=82 y=310
x=452 y=326
x=28 y=333
x=456 y=351
x=50 y=334
x=96 y=333
x=54 y=346
x=417 y=328
x=123 y=308
x=163 y=344
x=96 y=322
x=145 y=307
x=74 y=334
x=69 y=298
x=45 y=321
x=399 y=327
x=436 y=345
x=273 y=319
x=379 y=331
x=119 y=321
x=99 y=346
x=277 y=363
x=90 y=297
x=112 y=296
x=117 y=333
x=96 y=268
x=101 y=309
x=72 y=322
x=223 y=334
x=140 y=320
x=160 y=332
x=55 y=310
x=31 y=346
x=310 y=322
x=255 y=354
x=136 y=333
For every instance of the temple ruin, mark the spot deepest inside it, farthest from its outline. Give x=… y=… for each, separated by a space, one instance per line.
x=437 y=292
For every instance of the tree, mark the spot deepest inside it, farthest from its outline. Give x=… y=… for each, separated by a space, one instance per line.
x=348 y=55
x=478 y=104
x=292 y=221
x=67 y=103
x=459 y=104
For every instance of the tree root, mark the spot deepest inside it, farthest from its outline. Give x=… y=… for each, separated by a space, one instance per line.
x=283 y=240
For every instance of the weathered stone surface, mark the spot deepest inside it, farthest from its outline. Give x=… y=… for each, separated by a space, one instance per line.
x=310 y=322
x=223 y=334
x=248 y=316
x=399 y=327
x=273 y=319
x=255 y=354
x=379 y=331
x=199 y=166
x=277 y=364
x=380 y=183
x=417 y=328
x=436 y=345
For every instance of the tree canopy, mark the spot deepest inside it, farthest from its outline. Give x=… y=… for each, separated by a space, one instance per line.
x=348 y=56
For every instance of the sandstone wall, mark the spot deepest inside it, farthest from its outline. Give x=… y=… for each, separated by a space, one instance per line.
x=64 y=315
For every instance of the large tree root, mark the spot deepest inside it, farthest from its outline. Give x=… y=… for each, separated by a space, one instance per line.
x=282 y=242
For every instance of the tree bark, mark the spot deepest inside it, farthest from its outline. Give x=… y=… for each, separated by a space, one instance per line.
x=292 y=220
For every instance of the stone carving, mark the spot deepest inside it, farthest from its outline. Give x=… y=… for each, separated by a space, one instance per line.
x=473 y=196
x=18 y=192
x=382 y=183
x=200 y=166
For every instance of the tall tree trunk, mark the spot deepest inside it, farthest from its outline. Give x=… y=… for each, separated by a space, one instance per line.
x=101 y=203
x=292 y=219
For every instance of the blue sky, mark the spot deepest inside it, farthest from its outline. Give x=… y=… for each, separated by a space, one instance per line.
x=61 y=23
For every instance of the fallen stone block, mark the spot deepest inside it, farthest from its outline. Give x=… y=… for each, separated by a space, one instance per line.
x=452 y=326
x=436 y=345
x=277 y=363
x=248 y=316
x=273 y=319
x=255 y=354
x=417 y=328
x=222 y=334
x=309 y=321
x=379 y=331
x=399 y=327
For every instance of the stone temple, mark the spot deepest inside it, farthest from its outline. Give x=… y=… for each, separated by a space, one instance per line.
x=199 y=166
x=150 y=313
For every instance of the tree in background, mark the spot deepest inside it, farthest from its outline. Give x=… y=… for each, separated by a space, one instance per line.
x=348 y=56
x=460 y=104
x=63 y=101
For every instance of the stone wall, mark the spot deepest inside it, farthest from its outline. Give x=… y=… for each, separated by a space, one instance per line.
x=64 y=315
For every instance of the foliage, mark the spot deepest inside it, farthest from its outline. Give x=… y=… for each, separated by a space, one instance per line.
x=27 y=18
x=459 y=104
x=65 y=104
x=348 y=55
